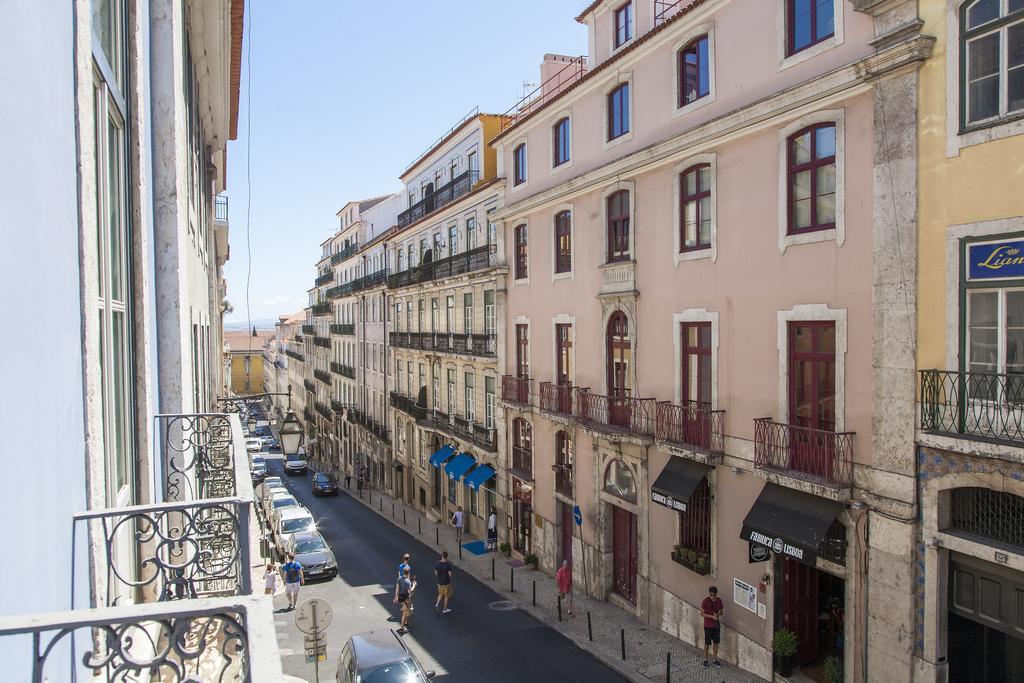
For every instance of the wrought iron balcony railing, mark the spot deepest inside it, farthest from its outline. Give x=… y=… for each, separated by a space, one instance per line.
x=308 y=414
x=407 y=406
x=522 y=460
x=446 y=194
x=516 y=389
x=322 y=342
x=558 y=398
x=323 y=376
x=325 y=411
x=480 y=345
x=326 y=278
x=220 y=208
x=357 y=416
x=343 y=328
x=466 y=262
x=322 y=308
x=982 y=406
x=310 y=386
x=309 y=329
x=378 y=279
x=343 y=370
x=563 y=478
x=343 y=254
x=339 y=291
x=296 y=355
x=814 y=455
x=692 y=425
x=616 y=414
x=461 y=428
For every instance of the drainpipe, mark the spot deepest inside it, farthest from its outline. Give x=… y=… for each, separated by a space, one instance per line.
x=862 y=579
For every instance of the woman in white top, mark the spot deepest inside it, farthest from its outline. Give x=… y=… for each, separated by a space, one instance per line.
x=270 y=579
x=492 y=530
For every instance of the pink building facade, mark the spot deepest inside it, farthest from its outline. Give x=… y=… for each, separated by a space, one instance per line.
x=710 y=306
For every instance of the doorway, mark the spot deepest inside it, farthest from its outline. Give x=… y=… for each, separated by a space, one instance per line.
x=522 y=515
x=983 y=631
x=624 y=552
x=811 y=604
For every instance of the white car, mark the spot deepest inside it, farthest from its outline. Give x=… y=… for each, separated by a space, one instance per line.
x=295 y=463
x=254 y=444
x=289 y=521
x=280 y=499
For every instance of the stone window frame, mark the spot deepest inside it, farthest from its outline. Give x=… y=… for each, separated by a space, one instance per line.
x=813 y=313
x=711 y=159
x=691 y=34
x=630 y=186
x=786 y=60
x=553 y=121
x=571 y=273
x=695 y=315
x=623 y=77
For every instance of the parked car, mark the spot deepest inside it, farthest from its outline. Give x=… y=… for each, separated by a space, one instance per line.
x=263 y=430
x=270 y=481
x=289 y=521
x=280 y=499
x=313 y=553
x=258 y=468
x=253 y=444
x=324 y=485
x=295 y=463
x=271 y=443
x=379 y=656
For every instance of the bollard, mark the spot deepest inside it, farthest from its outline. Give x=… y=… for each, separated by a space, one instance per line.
x=622 y=639
x=403 y=517
x=492 y=569
x=371 y=496
x=512 y=579
x=392 y=509
x=460 y=551
x=380 y=503
x=559 y=607
x=668 y=667
x=437 y=535
x=419 y=525
x=534 y=593
x=590 y=629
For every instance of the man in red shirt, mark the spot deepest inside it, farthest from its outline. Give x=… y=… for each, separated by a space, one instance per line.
x=711 y=609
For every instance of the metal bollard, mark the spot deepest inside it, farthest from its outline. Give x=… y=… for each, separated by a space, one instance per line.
x=380 y=503
x=437 y=535
x=419 y=525
x=392 y=509
x=590 y=629
x=492 y=569
x=371 y=496
x=403 y=517
x=460 y=551
x=512 y=579
x=622 y=639
x=668 y=667
x=534 y=593
x=559 y=607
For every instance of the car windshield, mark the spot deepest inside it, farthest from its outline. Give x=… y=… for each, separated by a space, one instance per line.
x=312 y=545
x=399 y=672
x=292 y=526
x=322 y=479
x=258 y=460
x=284 y=501
x=293 y=457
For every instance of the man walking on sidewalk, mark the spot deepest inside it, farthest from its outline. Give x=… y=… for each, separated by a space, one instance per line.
x=443 y=571
x=404 y=590
x=293 y=578
x=457 y=522
x=711 y=609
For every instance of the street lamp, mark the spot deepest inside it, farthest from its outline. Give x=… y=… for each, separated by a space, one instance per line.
x=251 y=422
x=291 y=434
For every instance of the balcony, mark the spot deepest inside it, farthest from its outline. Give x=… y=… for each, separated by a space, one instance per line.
x=616 y=414
x=343 y=254
x=346 y=329
x=378 y=279
x=516 y=390
x=979 y=406
x=522 y=463
x=369 y=424
x=459 y=264
x=308 y=383
x=309 y=329
x=692 y=427
x=480 y=345
x=557 y=399
x=322 y=342
x=816 y=456
x=220 y=208
x=299 y=338
x=339 y=291
x=618 y=277
x=446 y=194
x=563 y=479
x=324 y=411
x=343 y=370
x=322 y=308
x=325 y=279
x=462 y=429
x=296 y=355
x=407 y=406
x=308 y=414
x=323 y=376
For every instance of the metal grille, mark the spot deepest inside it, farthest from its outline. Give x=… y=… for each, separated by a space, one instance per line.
x=833 y=547
x=990 y=514
x=695 y=523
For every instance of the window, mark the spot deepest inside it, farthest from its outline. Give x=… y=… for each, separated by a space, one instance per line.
x=522 y=351
x=434 y=312
x=620 y=356
x=618 y=111
x=695 y=209
x=519 y=164
x=453 y=240
x=522 y=447
x=694 y=71
x=618 y=226
x=453 y=169
x=470 y=398
x=563 y=354
x=994 y=515
x=808 y=22
x=619 y=480
x=492 y=227
x=696 y=362
x=623 y=24
x=521 y=252
x=695 y=522
x=398 y=376
x=995 y=335
x=438 y=249
x=560 y=142
x=490 y=315
x=471 y=233
x=489 y=387
x=992 y=54
x=812 y=384
x=451 y=490
x=471 y=163
x=410 y=387
x=450 y=314
x=563 y=464
x=467 y=312
x=563 y=242
x=451 y=392
x=435 y=386
x=812 y=179
x=419 y=315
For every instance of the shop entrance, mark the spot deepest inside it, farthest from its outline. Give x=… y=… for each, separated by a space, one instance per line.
x=984 y=628
x=522 y=515
x=811 y=604
x=624 y=552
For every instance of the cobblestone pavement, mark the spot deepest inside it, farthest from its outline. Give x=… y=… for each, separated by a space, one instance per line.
x=647 y=647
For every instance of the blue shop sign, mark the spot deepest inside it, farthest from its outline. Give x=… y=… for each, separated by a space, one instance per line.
x=995 y=260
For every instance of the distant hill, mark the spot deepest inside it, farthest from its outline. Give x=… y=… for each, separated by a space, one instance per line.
x=260 y=324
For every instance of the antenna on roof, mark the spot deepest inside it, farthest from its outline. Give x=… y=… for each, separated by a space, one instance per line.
x=527 y=87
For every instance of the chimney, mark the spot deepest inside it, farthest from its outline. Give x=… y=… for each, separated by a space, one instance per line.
x=559 y=71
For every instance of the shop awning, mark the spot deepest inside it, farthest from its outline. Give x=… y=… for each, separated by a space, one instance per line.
x=676 y=482
x=442 y=454
x=790 y=522
x=459 y=465
x=478 y=477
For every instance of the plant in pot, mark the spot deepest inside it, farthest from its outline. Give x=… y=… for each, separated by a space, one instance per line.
x=833 y=669
x=531 y=560
x=702 y=560
x=690 y=556
x=505 y=549
x=784 y=646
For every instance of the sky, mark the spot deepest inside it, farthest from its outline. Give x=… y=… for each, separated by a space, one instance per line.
x=344 y=95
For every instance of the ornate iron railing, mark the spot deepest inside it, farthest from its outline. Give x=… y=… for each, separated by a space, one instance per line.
x=323 y=376
x=980 y=405
x=516 y=389
x=198 y=456
x=309 y=329
x=459 y=264
x=296 y=355
x=370 y=281
x=343 y=370
x=325 y=411
x=441 y=196
x=481 y=345
x=545 y=92
x=339 y=291
x=522 y=460
x=309 y=384
x=693 y=425
x=407 y=406
x=220 y=208
x=557 y=398
x=326 y=278
x=369 y=424
x=343 y=328
x=461 y=428
x=666 y=9
x=563 y=478
x=322 y=308
x=343 y=254
x=322 y=342
x=616 y=413
x=815 y=455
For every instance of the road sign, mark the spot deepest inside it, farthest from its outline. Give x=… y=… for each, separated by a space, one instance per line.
x=313 y=615
x=311 y=641
x=319 y=656
x=577 y=515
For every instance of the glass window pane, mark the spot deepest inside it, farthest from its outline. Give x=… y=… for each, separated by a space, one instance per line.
x=826 y=199
x=983 y=309
x=115 y=194
x=119 y=403
x=802 y=339
x=1016 y=5
x=705 y=178
x=705 y=78
x=984 y=349
x=824 y=21
x=801 y=23
x=801 y=146
x=690 y=224
x=690 y=183
x=825 y=142
x=982 y=12
x=826 y=341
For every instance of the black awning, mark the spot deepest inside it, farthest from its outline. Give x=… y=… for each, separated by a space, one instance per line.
x=676 y=482
x=790 y=522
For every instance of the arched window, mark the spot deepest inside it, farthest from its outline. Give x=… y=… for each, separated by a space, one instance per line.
x=619 y=481
x=563 y=464
x=563 y=242
x=993 y=515
x=519 y=164
x=695 y=208
x=618 y=111
x=618 y=226
x=694 y=71
x=522 y=447
x=812 y=179
x=560 y=142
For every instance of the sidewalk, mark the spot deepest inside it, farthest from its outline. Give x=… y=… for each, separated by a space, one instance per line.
x=646 y=646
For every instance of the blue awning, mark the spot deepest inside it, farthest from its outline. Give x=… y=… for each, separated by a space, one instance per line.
x=442 y=454
x=459 y=465
x=479 y=477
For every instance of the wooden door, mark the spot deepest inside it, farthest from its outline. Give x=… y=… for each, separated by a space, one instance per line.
x=522 y=351
x=568 y=522
x=800 y=607
x=523 y=513
x=696 y=383
x=624 y=552
x=812 y=391
x=563 y=339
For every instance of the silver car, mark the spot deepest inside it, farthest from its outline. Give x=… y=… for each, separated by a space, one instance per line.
x=379 y=657
x=312 y=552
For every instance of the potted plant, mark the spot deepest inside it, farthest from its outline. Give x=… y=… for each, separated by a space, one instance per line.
x=784 y=646
x=833 y=669
x=702 y=561
x=505 y=549
x=530 y=560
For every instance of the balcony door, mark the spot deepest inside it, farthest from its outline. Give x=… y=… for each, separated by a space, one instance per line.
x=624 y=552
x=620 y=357
x=522 y=351
x=696 y=383
x=563 y=362
x=812 y=393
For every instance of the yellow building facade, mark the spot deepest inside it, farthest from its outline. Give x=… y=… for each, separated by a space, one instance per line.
x=245 y=360
x=970 y=342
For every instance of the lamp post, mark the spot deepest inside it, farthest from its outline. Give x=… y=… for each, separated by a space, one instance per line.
x=291 y=434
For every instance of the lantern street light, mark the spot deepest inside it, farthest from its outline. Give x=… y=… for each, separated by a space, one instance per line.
x=251 y=422
x=291 y=434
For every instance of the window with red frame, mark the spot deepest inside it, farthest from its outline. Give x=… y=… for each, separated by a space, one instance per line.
x=563 y=464
x=522 y=351
x=695 y=523
x=618 y=111
x=623 y=24
x=694 y=71
x=521 y=253
x=560 y=142
x=695 y=208
x=618 y=226
x=812 y=179
x=696 y=362
x=563 y=242
x=808 y=22
x=519 y=164
x=522 y=445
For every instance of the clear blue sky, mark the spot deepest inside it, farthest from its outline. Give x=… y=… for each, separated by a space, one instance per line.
x=344 y=96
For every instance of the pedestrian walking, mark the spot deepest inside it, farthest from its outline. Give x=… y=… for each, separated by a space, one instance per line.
x=563 y=579
x=443 y=572
x=348 y=480
x=293 y=578
x=404 y=589
x=270 y=579
x=711 y=609
x=405 y=564
x=457 y=522
x=492 y=530
x=359 y=481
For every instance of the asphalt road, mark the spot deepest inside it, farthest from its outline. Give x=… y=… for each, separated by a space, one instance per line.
x=480 y=640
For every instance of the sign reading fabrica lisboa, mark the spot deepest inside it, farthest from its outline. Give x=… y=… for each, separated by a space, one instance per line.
x=778 y=545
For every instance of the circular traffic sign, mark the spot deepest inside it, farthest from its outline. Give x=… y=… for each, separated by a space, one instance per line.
x=313 y=613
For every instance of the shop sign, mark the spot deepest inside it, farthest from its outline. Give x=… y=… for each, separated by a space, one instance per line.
x=757 y=553
x=777 y=545
x=668 y=501
x=995 y=260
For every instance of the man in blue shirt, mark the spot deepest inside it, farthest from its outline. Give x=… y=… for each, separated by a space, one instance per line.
x=404 y=590
x=293 y=578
